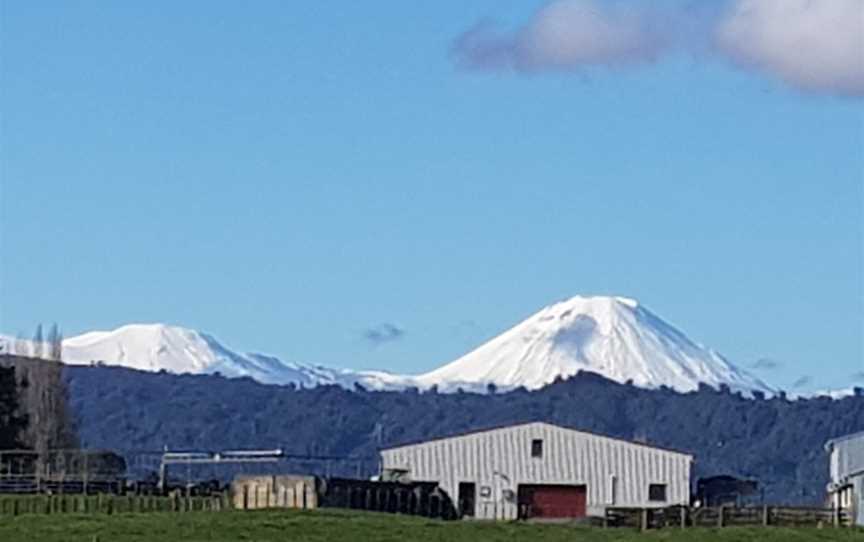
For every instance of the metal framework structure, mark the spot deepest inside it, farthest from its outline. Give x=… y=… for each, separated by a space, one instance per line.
x=152 y=471
x=215 y=458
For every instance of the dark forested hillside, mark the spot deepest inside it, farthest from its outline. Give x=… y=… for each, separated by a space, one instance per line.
x=777 y=441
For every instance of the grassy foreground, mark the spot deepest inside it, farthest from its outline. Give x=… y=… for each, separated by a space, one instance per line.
x=337 y=525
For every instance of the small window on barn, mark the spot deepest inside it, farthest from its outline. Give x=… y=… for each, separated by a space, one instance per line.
x=537 y=447
x=657 y=493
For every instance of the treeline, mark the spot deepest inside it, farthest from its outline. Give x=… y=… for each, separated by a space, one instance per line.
x=42 y=346
x=34 y=397
x=777 y=441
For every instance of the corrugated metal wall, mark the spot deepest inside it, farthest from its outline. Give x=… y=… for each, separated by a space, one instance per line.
x=858 y=508
x=847 y=456
x=500 y=459
x=847 y=467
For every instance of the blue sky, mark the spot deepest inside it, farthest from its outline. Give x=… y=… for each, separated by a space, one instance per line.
x=290 y=176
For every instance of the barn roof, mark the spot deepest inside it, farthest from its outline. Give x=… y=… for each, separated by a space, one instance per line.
x=837 y=440
x=524 y=424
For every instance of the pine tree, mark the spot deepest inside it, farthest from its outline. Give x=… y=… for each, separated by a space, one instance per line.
x=55 y=343
x=38 y=342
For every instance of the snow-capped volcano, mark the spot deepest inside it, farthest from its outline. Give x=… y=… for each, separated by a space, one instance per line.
x=155 y=347
x=612 y=336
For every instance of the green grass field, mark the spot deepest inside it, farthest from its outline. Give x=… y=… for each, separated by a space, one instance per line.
x=337 y=525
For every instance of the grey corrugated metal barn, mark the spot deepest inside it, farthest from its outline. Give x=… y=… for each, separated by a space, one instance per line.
x=846 y=488
x=543 y=470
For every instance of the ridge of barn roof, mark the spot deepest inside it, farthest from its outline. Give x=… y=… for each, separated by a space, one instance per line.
x=524 y=424
x=830 y=444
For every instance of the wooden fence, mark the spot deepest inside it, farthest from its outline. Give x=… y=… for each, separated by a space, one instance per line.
x=108 y=504
x=31 y=485
x=764 y=516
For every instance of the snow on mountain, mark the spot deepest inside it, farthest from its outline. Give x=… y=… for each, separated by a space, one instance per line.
x=841 y=393
x=157 y=347
x=612 y=336
x=154 y=347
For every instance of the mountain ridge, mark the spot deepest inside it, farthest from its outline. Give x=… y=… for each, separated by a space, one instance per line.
x=615 y=337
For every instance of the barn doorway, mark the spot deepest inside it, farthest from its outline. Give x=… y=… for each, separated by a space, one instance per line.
x=467 y=498
x=552 y=501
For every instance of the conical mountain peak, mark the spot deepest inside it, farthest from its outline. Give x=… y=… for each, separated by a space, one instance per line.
x=612 y=336
x=615 y=337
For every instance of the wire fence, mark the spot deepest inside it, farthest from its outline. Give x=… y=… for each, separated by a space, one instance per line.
x=16 y=505
x=148 y=472
x=726 y=516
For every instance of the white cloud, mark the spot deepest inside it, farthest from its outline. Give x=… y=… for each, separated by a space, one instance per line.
x=572 y=33
x=563 y=35
x=816 y=45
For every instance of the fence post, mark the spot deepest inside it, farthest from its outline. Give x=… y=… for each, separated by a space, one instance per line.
x=721 y=516
x=683 y=517
x=86 y=472
x=643 y=519
x=766 y=516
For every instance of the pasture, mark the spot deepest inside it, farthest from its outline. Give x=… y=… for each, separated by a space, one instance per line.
x=335 y=525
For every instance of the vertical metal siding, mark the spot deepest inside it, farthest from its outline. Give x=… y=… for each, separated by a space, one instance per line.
x=501 y=460
x=847 y=456
x=858 y=485
x=847 y=467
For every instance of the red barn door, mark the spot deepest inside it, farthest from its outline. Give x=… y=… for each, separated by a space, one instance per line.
x=548 y=501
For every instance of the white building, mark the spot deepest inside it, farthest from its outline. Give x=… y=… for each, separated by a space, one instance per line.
x=542 y=470
x=846 y=489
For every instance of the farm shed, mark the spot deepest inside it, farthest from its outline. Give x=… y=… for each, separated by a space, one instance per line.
x=254 y=492
x=846 y=489
x=542 y=470
x=725 y=490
